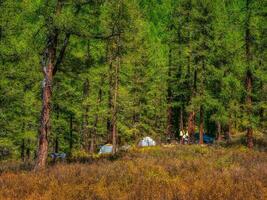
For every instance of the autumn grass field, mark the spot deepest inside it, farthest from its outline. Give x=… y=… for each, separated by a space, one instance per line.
x=170 y=172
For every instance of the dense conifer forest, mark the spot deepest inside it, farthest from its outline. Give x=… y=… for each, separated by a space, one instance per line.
x=78 y=74
x=82 y=73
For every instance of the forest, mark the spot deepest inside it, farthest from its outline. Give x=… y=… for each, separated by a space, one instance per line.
x=78 y=74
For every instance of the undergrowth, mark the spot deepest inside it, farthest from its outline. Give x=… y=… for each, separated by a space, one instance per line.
x=178 y=172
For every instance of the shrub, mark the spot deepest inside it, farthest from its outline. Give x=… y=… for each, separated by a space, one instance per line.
x=181 y=172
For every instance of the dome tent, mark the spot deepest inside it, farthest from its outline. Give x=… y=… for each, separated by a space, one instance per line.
x=146 y=142
x=105 y=149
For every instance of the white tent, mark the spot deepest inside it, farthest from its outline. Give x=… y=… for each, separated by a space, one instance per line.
x=105 y=149
x=146 y=142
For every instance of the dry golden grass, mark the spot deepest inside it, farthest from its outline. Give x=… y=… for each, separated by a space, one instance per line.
x=182 y=172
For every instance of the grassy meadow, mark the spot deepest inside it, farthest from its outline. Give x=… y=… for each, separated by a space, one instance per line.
x=167 y=172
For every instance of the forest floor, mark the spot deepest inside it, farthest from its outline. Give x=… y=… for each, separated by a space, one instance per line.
x=170 y=172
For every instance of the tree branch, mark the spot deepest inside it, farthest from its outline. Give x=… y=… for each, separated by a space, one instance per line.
x=61 y=53
x=97 y=37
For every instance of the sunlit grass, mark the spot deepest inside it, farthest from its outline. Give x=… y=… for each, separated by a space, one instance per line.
x=181 y=172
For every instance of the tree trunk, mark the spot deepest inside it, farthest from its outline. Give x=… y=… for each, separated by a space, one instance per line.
x=248 y=81
x=219 y=130
x=85 y=129
x=109 y=123
x=71 y=135
x=249 y=108
x=201 y=126
x=169 y=129
x=191 y=127
x=261 y=112
x=99 y=101
x=228 y=132
x=44 y=130
x=22 y=150
x=49 y=64
x=114 y=61
x=192 y=114
x=114 y=111
x=56 y=143
x=28 y=152
x=92 y=143
x=181 y=124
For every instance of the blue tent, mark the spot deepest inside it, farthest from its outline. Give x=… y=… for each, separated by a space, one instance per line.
x=206 y=139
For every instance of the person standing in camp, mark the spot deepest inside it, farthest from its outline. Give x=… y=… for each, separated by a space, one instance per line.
x=181 y=136
x=186 y=137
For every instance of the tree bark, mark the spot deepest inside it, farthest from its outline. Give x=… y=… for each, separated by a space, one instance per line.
x=56 y=142
x=249 y=107
x=115 y=107
x=191 y=126
x=28 y=151
x=181 y=124
x=201 y=126
x=219 y=131
x=114 y=60
x=109 y=59
x=248 y=82
x=99 y=101
x=44 y=130
x=71 y=134
x=192 y=114
x=85 y=129
x=48 y=64
x=169 y=129
x=22 y=150
x=56 y=145
x=228 y=132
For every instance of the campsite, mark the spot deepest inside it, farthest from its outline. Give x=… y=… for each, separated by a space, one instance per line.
x=133 y=100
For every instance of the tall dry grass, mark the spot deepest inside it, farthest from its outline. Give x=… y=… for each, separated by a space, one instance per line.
x=182 y=172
